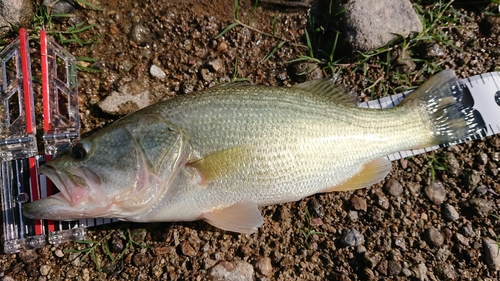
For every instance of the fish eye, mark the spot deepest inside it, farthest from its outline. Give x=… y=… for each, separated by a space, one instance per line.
x=79 y=150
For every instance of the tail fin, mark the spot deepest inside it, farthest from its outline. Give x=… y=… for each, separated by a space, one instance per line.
x=450 y=111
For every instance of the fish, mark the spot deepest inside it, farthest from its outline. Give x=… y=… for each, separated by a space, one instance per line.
x=219 y=154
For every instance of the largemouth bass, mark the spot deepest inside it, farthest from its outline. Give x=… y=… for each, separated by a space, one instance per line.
x=219 y=154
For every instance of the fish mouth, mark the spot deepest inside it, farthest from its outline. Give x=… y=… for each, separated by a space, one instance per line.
x=64 y=205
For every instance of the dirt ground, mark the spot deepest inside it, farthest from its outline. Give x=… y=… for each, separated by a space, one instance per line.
x=406 y=235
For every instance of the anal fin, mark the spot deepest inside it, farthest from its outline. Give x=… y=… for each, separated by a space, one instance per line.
x=369 y=174
x=243 y=217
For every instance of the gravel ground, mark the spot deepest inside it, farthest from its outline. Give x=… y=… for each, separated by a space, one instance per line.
x=405 y=228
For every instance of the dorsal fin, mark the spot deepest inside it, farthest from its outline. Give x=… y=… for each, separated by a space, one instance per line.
x=329 y=89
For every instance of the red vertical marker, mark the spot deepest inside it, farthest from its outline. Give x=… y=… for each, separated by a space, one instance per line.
x=45 y=103
x=23 y=47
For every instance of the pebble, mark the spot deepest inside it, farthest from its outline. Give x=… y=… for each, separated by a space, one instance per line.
x=217 y=65
x=140 y=34
x=462 y=239
x=479 y=206
x=436 y=192
x=116 y=243
x=263 y=266
x=157 y=72
x=382 y=200
x=382 y=267
x=394 y=268
x=420 y=271
x=481 y=190
x=28 y=256
x=446 y=272
x=351 y=238
x=140 y=259
x=60 y=7
x=434 y=237
x=232 y=271
x=372 y=259
x=492 y=254
x=74 y=259
x=468 y=231
x=432 y=50
x=471 y=179
x=8 y=278
x=450 y=213
x=442 y=254
x=135 y=95
x=393 y=187
x=59 y=253
x=45 y=269
x=187 y=249
x=353 y=215
x=358 y=203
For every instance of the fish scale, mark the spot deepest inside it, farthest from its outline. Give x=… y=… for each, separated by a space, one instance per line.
x=227 y=150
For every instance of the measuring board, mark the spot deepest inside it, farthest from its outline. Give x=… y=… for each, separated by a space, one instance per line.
x=19 y=157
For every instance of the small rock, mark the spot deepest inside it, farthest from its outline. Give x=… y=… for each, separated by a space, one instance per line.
x=45 y=270
x=491 y=253
x=400 y=242
x=479 y=206
x=206 y=75
x=264 y=266
x=129 y=98
x=462 y=239
x=358 y=203
x=414 y=188
x=382 y=267
x=316 y=207
x=481 y=190
x=365 y=31
x=434 y=237
x=28 y=256
x=369 y=275
x=8 y=278
x=157 y=72
x=222 y=47
x=382 y=200
x=393 y=187
x=481 y=158
x=187 y=249
x=431 y=50
x=74 y=259
x=450 y=213
x=394 y=268
x=306 y=71
x=353 y=215
x=468 y=231
x=452 y=164
x=140 y=34
x=436 y=192
x=372 y=259
x=471 y=179
x=60 y=6
x=116 y=243
x=140 y=259
x=446 y=272
x=18 y=13
x=59 y=253
x=217 y=65
x=403 y=61
x=351 y=238
x=420 y=271
x=442 y=254
x=229 y=271
x=492 y=168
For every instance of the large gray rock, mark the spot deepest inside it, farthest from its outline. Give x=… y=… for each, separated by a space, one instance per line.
x=371 y=24
x=17 y=12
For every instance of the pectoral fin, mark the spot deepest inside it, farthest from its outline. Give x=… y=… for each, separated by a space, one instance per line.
x=221 y=163
x=370 y=174
x=243 y=217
